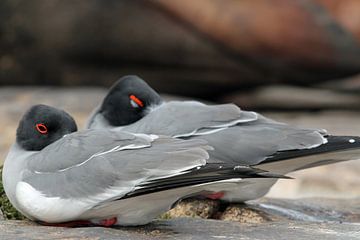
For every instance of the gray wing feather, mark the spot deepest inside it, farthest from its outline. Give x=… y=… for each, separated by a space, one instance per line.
x=190 y=118
x=254 y=143
x=87 y=164
x=239 y=137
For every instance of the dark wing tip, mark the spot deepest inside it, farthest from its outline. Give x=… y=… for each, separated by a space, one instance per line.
x=205 y=174
x=334 y=144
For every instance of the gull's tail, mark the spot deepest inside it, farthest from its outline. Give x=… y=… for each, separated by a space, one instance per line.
x=337 y=149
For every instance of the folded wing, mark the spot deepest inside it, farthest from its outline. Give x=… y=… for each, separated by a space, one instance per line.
x=101 y=165
x=191 y=118
x=238 y=137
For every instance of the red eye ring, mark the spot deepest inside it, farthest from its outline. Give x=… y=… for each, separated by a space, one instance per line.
x=41 y=128
x=136 y=100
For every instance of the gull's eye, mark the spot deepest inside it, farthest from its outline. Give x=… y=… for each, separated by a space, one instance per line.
x=135 y=102
x=41 y=128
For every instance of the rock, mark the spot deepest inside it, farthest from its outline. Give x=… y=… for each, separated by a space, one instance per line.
x=350 y=84
x=309 y=209
x=93 y=43
x=187 y=228
x=293 y=98
x=254 y=34
x=243 y=214
x=269 y=209
x=325 y=29
x=202 y=208
x=79 y=45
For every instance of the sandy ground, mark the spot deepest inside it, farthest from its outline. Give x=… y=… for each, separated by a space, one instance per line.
x=340 y=180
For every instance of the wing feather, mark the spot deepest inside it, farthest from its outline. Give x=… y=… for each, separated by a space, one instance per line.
x=190 y=118
x=238 y=137
x=109 y=160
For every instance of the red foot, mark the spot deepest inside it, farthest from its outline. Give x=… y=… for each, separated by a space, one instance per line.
x=215 y=196
x=108 y=222
x=82 y=223
x=72 y=224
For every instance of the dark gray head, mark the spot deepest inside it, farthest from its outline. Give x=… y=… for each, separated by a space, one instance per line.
x=128 y=100
x=42 y=125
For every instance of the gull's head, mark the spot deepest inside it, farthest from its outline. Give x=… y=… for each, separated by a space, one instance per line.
x=42 y=125
x=128 y=100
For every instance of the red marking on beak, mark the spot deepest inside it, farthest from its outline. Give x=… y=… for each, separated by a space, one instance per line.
x=136 y=100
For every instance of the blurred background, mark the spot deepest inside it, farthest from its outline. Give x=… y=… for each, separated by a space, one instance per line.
x=297 y=61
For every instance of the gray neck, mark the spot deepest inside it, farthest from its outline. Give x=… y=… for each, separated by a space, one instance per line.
x=13 y=170
x=97 y=121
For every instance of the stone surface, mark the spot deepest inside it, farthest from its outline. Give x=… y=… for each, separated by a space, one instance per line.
x=309 y=209
x=261 y=219
x=187 y=228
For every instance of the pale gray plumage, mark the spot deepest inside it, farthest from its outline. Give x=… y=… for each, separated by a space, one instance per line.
x=239 y=137
x=77 y=158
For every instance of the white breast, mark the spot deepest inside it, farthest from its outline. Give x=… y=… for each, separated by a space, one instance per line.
x=48 y=209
